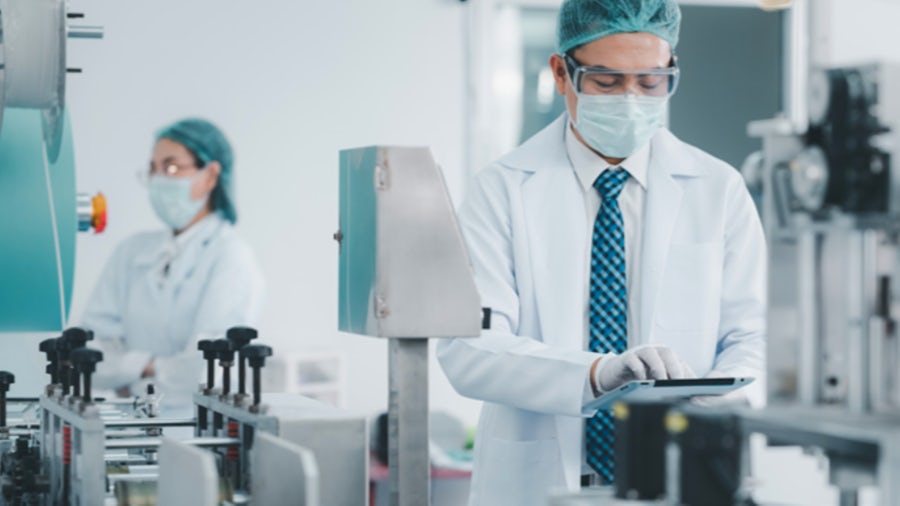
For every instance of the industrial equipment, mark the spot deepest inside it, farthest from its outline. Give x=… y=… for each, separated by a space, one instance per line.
x=37 y=165
x=404 y=275
x=68 y=447
x=830 y=209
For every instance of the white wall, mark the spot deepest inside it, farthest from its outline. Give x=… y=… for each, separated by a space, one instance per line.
x=291 y=83
x=860 y=31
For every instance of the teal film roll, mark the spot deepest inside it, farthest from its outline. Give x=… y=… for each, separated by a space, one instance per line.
x=37 y=257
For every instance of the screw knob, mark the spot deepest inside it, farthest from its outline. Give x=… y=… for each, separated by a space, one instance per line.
x=87 y=359
x=207 y=347
x=77 y=337
x=6 y=379
x=241 y=336
x=49 y=347
x=256 y=354
x=224 y=349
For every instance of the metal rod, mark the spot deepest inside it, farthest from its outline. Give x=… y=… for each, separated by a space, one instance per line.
x=65 y=377
x=87 y=387
x=152 y=442
x=410 y=468
x=808 y=377
x=3 y=407
x=210 y=374
x=861 y=251
x=202 y=419
x=797 y=63
x=150 y=422
x=226 y=379
x=85 y=32
x=257 y=386
x=242 y=376
x=75 y=379
x=22 y=399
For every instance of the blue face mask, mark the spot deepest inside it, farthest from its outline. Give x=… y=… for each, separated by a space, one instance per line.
x=618 y=125
x=171 y=199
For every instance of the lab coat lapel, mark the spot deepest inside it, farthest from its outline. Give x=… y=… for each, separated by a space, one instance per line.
x=663 y=202
x=555 y=217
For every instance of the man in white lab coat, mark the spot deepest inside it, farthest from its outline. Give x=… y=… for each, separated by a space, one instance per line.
x=608 y=250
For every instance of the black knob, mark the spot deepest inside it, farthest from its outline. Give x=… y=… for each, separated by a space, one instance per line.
x=224 y=350
x=256 y=354
x=6 y=379
x=63 y=347
x=77 y=337
x=241 y=336
x=209 y=354
x=86 y=359
x=206 y=346
x=49 y=347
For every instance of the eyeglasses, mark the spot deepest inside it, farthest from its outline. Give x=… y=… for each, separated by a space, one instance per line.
x=167 y=170
x=660 y=82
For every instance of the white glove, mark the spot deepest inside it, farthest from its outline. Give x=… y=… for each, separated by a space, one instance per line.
x=648 y=361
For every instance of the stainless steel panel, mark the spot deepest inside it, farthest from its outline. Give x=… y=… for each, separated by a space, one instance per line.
x=338 y=439
x=187 y=475
x=404 y=269
x=283 y=473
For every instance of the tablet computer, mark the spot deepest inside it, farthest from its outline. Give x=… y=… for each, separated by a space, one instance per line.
x=656 y=390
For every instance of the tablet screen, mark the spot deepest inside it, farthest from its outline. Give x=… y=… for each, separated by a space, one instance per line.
x=656 y=390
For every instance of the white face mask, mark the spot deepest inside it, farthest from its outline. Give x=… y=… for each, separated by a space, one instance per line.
x=619 y=125
x=171 y=199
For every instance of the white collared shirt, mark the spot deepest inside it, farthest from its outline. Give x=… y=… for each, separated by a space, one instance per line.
x=176 y=244
x=588 y=166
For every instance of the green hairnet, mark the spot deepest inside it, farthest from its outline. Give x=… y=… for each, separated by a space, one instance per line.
x=208 y=144
x=583 y=21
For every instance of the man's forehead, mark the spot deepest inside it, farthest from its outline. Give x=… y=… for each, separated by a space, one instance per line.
x=613 y=51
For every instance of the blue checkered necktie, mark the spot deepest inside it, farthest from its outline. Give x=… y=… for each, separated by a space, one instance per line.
x=608 y=309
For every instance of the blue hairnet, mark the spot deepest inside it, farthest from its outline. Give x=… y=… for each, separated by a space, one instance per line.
x=206 y=142
x=583 y=21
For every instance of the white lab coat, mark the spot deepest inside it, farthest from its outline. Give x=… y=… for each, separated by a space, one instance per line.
x=136 y=313
x=703 y=275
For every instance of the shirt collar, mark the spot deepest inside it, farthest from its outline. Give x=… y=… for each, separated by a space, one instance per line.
x=200 y=229
x=589 y=165
x=171 y=245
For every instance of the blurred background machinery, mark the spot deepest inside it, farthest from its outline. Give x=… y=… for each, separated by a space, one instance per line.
x=69 y=447
x=38 y=198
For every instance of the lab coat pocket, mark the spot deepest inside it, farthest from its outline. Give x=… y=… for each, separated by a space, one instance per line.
x=519 y=472
x=690 y=291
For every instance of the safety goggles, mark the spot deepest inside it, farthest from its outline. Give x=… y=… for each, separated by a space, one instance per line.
x=660 y=82
x=167 y=170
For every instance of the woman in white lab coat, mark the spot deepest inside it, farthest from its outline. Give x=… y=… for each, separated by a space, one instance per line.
x=693 y=247
x=162 y=291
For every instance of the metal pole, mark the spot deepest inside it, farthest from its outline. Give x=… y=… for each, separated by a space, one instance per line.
x=861 y=252
x=150 y=422
x=410 y=468
x=796 y=64
x=808 y=376
x=137 y=443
